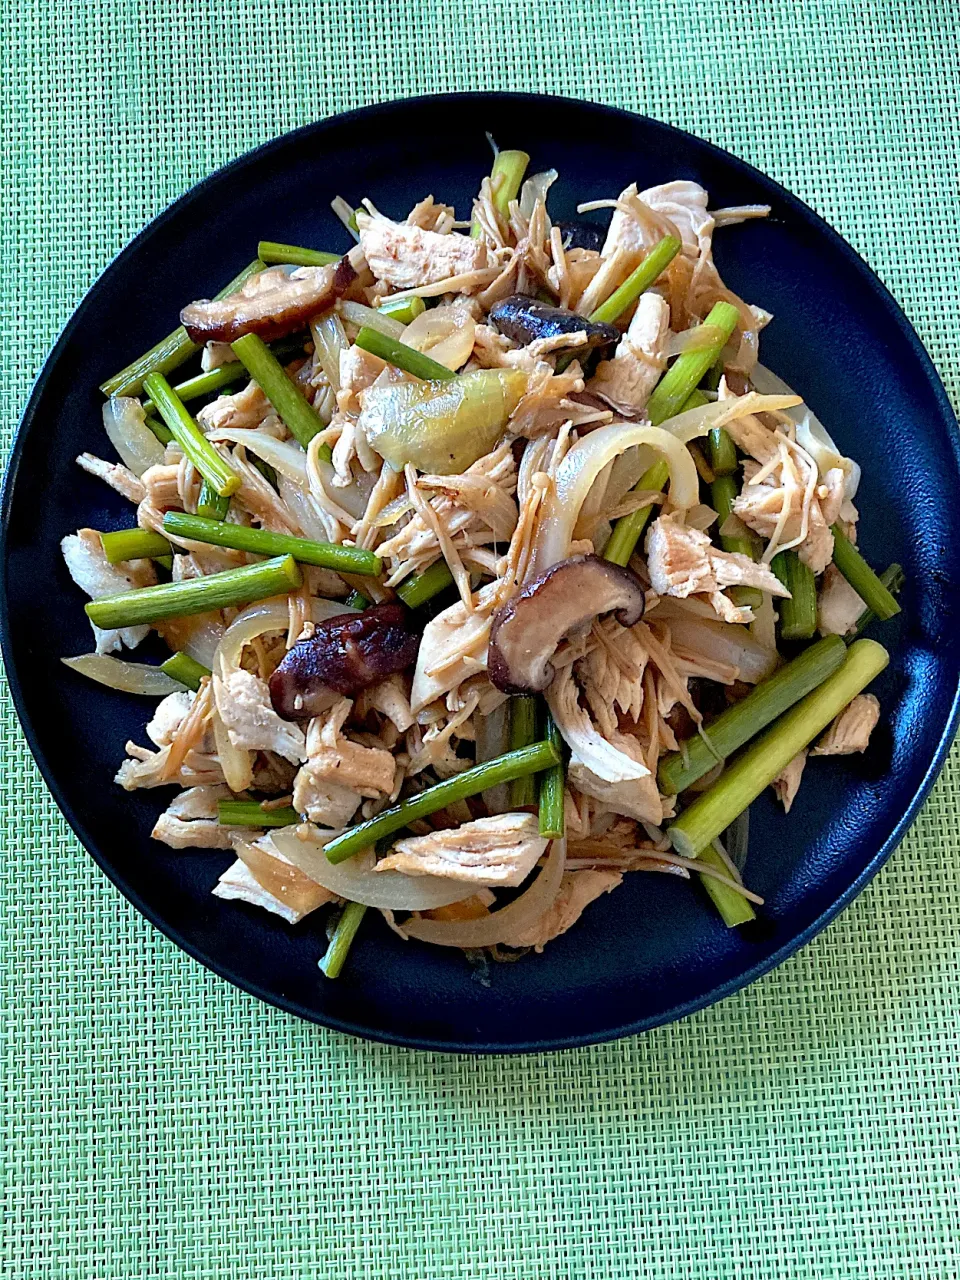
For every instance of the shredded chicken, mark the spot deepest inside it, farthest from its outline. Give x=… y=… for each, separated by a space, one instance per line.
x=115 y=474
x=243 y=703
x=852 y=728
x=640 y=359
x=338 y=772
x=88 y=567
x=495 y=852
x=683 y=562
x=190 y=820
x=787 y=783
x=405 y=256
x=838 y=607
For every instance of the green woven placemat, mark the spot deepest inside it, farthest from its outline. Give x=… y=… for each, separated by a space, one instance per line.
x=159 y=1123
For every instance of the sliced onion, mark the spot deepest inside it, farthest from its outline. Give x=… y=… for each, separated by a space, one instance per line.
x=812 y=435
x=695 y=339
x=357 y=880
x=535 y=188
x=236 y=763
x=580 y=469
x=501 y=926
x=362 y=316
x=204 y=638
x=346 y=214
x=125 y=423
x=267 y=615
x=286 y=458
x=714 y=639
x=446 y=334
x=330 y=341
x=130 y=677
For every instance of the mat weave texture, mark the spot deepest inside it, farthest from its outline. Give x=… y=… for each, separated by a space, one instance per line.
x=158 y=1123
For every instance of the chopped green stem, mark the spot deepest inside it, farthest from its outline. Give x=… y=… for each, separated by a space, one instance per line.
x=284 y=394
x=159 y=429
x=745 y=719
x=261 y=542
x=190 y=438
x=186 y=670
x=424 y=586
x=250 y=813
x=273 y=253
x=685 y=373
x=493 y=773
x=733 y=907
x=224 y=376
x=798 y=615
x=523 y=731
x=133 y=544
x=695 y=400
x=628 y=530
x=357 y=600
x=862 y=578
x=403 y=310
x=196 y=595
x=723 y=452
x=552 y=820
x=505 y=179
x=210 y=504
x=638 y=281
x=893 y=578
x=171 y=352
x=723 y=493
x=741 y=782
x=342 y=940
x=403 y=357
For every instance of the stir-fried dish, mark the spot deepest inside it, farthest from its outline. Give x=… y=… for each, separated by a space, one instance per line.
x=493 y=565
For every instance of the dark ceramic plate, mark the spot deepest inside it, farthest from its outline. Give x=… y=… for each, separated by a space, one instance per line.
x=654 y=950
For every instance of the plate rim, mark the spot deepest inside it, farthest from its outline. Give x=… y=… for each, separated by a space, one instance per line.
x=555 y=1044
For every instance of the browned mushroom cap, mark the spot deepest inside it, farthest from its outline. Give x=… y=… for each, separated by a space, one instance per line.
x=271 y=304
x=524 y=319
x=527 y=629
x=346 y=654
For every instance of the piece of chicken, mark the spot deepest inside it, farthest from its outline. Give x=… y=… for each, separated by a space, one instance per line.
x=577 y=890
x=190 y=820
x=490 y=852
x=91 y=571
x=787 y=782
x=239 y=884
x=243 y=703
x=838 y=606
x=682 y=562
x=852 y=728
x=339 y=773
x=405 y=256
x=627 y=380
x=115 y=474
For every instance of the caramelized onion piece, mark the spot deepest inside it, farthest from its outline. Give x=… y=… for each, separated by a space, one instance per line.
x=346 y=654
x=524 y=319
x=564 y=598
x=271 y=304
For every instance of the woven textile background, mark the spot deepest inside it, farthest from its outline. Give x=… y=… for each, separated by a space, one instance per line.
x=159 y=1123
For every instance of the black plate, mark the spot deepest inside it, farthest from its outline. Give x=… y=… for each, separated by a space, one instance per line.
x=652 y=951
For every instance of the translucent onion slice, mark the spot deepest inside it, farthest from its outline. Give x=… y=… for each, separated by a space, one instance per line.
x=446 y=334
x=357 y=880
x=129 y=677
x=812 y=435
x=502 y=925
x=695 y=339
x=125 y=423
x=261 y=618
x=580 y=469
x=360 y=315
x=330 y=341
x=286 y=458
x=535 y=188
